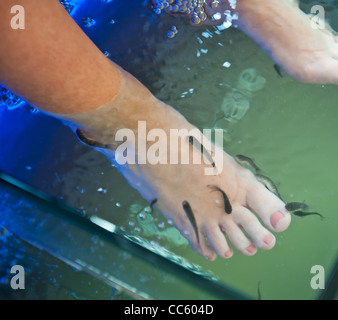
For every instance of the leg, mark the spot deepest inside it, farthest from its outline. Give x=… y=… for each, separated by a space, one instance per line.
x=52 y=63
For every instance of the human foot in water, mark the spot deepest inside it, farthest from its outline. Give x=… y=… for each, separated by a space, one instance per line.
x=213 y=226
x=213 y=203
x=306 y=52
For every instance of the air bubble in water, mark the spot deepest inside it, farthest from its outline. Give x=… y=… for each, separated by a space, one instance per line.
x=107 y=54
x=142 y=216
x=82 y=212
x=69 y=7
x=195 y=19
x=102 y=190
x=137 y=230
x=214 y=4
x=33 y=110
x=131 y=224
x=186 y=232
x=170 y=34
x=9 y=99
x=88 y=22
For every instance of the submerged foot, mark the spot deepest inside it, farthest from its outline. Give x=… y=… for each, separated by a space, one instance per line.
x=246 y=223
x=305 y=46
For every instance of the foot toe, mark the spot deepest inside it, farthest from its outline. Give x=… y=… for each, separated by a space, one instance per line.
x=217 y=241
x=268 y=207
x=237 y=237
x=261 y=237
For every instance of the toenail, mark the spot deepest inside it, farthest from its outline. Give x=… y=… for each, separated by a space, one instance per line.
x=275 y=218
x=228 y=254
x=251 y=248
x=268 y=239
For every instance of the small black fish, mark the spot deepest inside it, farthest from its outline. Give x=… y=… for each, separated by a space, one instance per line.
x=191 y=217
x=292 y=206
x=152 y=204
x=302 y=214
x=89 y=141
x=201 y=148
x=278 y=70
x=247 y=161
x=269 y=184
x=259 y=293
x=227 y=204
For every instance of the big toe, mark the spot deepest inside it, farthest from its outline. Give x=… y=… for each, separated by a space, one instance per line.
x=269 y=208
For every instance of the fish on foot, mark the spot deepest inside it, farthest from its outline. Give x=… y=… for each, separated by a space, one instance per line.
x=227 y=204
x=191 y=217
x=243 y=160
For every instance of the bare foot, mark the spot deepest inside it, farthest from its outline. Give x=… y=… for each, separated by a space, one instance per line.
x=175 y=185
x=213 y=202
x=307 y=52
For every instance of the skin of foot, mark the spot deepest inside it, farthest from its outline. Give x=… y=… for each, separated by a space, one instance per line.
x=256 y=212
x=252 y=204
